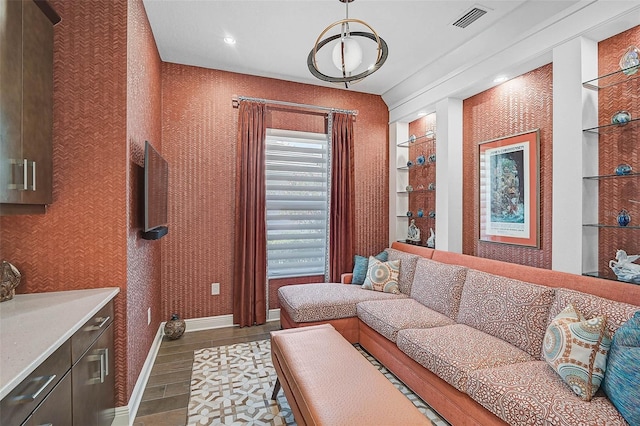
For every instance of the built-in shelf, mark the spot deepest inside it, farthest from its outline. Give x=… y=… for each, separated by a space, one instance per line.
x=610 y=79
x=417 y=217
x=613 y=176
x=606 y=128
x=417 y=166
x=430 y=191
x=606 y=275
x=420 y=140
x=602 y=225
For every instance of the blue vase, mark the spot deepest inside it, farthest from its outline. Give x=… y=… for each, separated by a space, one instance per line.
x=624 y=218
x=623 y=169
x=420 y=212
x=420 y=160
x=621 y=118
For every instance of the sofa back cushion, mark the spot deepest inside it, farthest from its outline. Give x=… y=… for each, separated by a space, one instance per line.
x=617 y=313
x=438 y=286
x=407 y=268
x=512 y=310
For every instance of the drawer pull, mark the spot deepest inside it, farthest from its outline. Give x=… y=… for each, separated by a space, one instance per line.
x=30 y=398
x=101 y=322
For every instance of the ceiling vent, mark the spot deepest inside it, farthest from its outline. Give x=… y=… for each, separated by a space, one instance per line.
x=470 y=17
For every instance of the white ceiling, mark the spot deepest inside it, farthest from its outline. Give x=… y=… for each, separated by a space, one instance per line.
x=274 y=38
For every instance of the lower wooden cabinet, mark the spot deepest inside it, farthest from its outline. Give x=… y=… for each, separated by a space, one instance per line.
x=56 y=408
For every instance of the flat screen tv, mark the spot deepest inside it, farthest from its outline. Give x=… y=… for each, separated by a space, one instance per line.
x=156 y=185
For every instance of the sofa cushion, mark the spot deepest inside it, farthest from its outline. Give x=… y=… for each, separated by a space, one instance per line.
x=531 y=393
x=438 y=286
x=622 y=379
x=407 y=268
x=576 y=348
x=617 y=313
x=361 y=264
x=454 y=351
x=326 y=301
x=387 y=317
x=512 y=310
x=382 y=276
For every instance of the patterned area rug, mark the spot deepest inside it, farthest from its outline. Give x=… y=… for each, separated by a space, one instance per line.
x=232 y=385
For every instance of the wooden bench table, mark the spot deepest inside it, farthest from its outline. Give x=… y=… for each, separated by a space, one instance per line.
x=328 y=382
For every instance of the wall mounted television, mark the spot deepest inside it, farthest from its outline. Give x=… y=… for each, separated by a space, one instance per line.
x=156 y=188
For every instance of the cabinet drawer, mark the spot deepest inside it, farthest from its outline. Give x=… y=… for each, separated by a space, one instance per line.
x=56 y=408
x=90 y=331
x=17 y=405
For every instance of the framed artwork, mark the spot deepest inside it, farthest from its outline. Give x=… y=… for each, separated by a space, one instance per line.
x=510 y=189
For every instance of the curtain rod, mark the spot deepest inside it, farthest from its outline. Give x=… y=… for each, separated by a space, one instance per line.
x=235 y=101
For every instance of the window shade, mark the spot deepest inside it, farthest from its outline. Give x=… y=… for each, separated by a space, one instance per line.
x=296 y=198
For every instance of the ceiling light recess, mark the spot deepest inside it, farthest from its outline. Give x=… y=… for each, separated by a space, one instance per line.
x=347 y=55
x=229 y=40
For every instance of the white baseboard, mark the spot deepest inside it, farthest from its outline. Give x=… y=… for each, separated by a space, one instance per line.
x=126 y=415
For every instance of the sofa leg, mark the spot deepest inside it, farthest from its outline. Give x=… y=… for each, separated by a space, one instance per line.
x=276 y=389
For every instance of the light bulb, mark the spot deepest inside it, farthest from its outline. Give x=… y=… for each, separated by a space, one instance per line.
x=352 y=54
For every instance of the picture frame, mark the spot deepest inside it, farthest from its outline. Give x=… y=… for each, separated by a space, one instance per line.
x=509 y=190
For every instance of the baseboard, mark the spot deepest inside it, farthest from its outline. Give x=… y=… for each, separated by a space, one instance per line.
x=126 y=415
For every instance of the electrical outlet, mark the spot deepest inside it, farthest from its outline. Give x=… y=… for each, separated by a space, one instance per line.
x=148 y=316
x=215 y=289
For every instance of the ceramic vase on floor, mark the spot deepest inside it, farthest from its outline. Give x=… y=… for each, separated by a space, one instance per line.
x=174 y=328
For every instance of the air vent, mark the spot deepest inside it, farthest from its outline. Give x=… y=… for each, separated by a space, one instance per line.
x=470 y=17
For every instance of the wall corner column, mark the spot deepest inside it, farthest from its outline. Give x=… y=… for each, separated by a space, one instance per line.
x=575 y=154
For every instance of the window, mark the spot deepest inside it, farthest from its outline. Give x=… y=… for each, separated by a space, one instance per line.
x=296 y=198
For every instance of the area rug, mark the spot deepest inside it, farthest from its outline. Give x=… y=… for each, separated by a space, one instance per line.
x=232 y=385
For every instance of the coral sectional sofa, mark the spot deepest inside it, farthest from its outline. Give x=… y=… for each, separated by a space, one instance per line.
x=466 y=333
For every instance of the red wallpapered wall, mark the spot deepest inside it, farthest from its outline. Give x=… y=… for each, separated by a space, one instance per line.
x=620 y=145
x=106 y=102
x=199 y=142
x=521 y=104
x=144 y=84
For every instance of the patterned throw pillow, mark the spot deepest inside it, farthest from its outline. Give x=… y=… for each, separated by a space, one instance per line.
x=576 y=348
x=382 y=276
x=361 y=264
x=622 y=381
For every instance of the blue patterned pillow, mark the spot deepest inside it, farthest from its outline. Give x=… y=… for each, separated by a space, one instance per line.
x=382 y=276
x=360 y=265
x=622 y=379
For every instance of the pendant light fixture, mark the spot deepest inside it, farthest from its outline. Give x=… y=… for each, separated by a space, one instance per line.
x=347 y=54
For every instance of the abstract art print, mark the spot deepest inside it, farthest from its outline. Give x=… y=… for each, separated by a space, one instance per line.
x=509 y=189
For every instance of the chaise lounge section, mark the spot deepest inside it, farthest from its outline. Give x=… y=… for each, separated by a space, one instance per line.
x=466 y=333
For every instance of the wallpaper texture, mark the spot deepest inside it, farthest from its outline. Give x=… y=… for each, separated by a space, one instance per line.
x=199 y=133
x=619 y=145
x=518 y=105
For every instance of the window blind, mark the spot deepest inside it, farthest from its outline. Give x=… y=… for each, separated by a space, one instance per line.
x=296 y=200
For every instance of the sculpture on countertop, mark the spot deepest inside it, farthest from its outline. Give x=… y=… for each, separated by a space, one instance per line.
x=624 y=267
x=10 y=280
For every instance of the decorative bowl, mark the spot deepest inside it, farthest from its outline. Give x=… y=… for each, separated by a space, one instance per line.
x=621 y=118
x=409 y=213
x=630 y=61
x=420 y=160
x=409 y=163
x=623 y=169
x=432 y=158
x=409 y=188
x=412 y=138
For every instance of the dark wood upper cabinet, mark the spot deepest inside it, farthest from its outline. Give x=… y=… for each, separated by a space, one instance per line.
x=26 y=105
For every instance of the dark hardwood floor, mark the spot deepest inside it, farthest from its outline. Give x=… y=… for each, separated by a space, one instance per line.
x=165 y=399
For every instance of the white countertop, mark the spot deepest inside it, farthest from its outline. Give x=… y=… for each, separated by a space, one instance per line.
x=33 y=326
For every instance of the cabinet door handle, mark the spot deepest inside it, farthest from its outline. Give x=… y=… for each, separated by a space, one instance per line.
x=33 y=175
x=23 y=164
x=30 y=398
x=25 y=185
x=105 y=352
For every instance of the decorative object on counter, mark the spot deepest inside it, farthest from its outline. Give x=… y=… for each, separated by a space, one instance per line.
x=624 y=268
x=409 y=163
x=431 y=159
x=10 y=280
x=409 y=188
x=412 y=138
x=431 y=187
x=420 y=212
x=431 y=241
x=409 y=213
x=623 y=169
x=414 y=232
x=174 y=328
x=624 y=217
x=430 y=133
x=420 y=187
x=432 y=214
x=420 y=160
x=621 y=118
x=630 y=60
